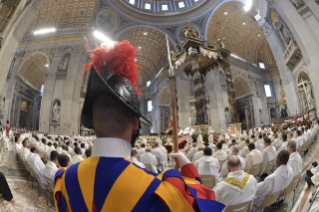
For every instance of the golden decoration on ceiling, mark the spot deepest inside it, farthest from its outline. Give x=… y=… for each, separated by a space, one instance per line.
x=242 y=34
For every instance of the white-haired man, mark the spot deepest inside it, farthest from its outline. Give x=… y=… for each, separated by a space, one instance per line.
x=37 y=164
x=224 y=171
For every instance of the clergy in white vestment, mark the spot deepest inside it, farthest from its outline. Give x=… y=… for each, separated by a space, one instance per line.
x=65 y=151
x=200 y=152
x=284 y=143
x=300 y=139
x=308 y=133
x=260 y=143
x=78 y=156
x=254 y=157
x=277 y=142
x=221 y=137
x=241 y=143
x=192 y=151
x=37 y=164
x=50 y=148
x=269 y=154
x=245 y=151
x=224 y=171
x=239 y=187
x=211 y=139
x=295 y=160
x=141 y=151
x=30 y=156
x=134 y=159
x=25 y=151
x=59 y=148
x=52 y=166
x=82 y=150
x=161 y=147
x=158 y=153
x=70 y=149
x=208 y=165
x=277 y=181
x=149 y=158
x=188 y=145
x=220 y=154
x=224 y=146
x=18 y=145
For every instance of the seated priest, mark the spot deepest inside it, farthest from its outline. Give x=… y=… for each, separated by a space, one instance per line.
x=239 y=187
x=224 y=171
x=149 y=158
x=52 y=166
x=220 y=154
x=37 y=164
x=245 y=150
x=108 y=180
x=254 y=157
x=269 y=154
x=134 y=159
x=208 y=165
x=295 y=160
x=192 y=151
x=277 y=181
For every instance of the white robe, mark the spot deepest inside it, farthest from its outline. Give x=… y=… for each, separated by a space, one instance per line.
x=223 y=172
x=48 y=152
x=71 y=151
x=269 y=153
x=300 y=141
x=38 y=167
x=283 y=147
x=30 y=158
x=220 y=155
x=253 y=158
x=50 y=170
x=76 y=158
x=136 y=162
x=208 y=165
x=242 y=144
x=197 y=156
x=141 y=151
x=230 y=194
x=25 y=153
x=260 y=145
x=277 y=143
x=277 y=181
x=245 y=151
x=295 y=162
x=149 y=158
x=191 y=153
x=158 y=153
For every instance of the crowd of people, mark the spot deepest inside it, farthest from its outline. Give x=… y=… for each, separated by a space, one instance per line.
x=229 y=160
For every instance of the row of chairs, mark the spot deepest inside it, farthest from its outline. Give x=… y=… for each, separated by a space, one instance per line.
x=36 y=178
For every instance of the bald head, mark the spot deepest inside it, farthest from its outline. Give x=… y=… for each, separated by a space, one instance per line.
x=233 y=164
x=235 y=150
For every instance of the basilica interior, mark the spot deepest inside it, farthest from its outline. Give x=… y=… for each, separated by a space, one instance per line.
x=242 y=63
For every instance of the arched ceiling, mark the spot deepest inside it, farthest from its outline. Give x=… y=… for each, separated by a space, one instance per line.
x=162 y=7
x=241 y=87
x=152 y=44
x=33 y=70
x=242 y=34
x=63 y=14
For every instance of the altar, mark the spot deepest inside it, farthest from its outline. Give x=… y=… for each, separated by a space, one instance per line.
x=234 y=128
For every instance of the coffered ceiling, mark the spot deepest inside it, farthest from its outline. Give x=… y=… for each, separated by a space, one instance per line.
x=64 y=14
x=33 y=70
x=242 y=34
x=152 y=44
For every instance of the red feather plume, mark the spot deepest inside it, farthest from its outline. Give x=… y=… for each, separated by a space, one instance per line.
x=120 y=58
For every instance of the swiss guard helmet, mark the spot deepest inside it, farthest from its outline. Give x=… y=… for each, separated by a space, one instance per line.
x=113 y=74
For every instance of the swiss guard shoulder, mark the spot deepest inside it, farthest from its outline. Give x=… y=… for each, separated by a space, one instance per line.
x=59 y=174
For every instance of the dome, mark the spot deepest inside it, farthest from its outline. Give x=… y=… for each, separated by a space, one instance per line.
x=163 y=7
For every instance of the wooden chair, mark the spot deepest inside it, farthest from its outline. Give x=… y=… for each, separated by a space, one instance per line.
x=221 y=162
x=40 y=184
x=292 y=187
x=31 y=173
x=269 y=166
x=51 y=188
x=269 y=200
x=255 y=170
x=159 y=164
x=277 y=147
x=148 y=167
x=208 y=181
x=244 y=207
x=299 y=149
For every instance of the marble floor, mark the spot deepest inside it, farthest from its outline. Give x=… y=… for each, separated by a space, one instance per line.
x=27 y=197
x=29 y=200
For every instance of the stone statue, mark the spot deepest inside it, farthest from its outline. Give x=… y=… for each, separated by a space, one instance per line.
x=256 y=87
x=3 y=102
x=190 y=32
x=261 y=116
x=220 y=43
x=64 y=63
x=309 y=96
x=222 y=79
x=286 y=35
x=56 y=113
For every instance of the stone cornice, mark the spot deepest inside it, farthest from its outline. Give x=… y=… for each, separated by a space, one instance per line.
x=52 y=40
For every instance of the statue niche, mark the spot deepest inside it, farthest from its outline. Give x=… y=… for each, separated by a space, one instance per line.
x=56 y=111
x=64 y=63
